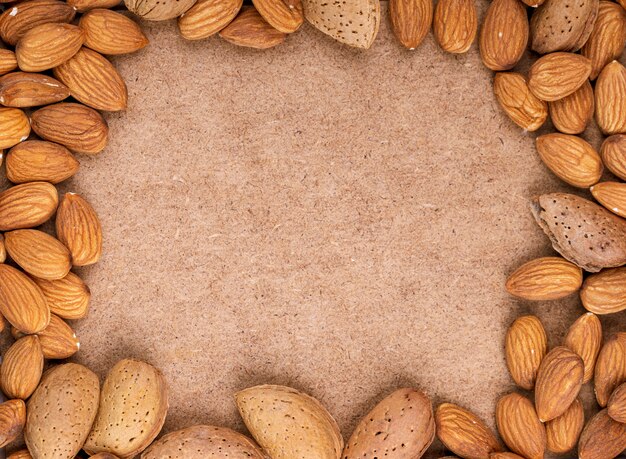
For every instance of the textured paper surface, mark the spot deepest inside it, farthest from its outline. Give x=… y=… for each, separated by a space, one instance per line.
x=334 y=220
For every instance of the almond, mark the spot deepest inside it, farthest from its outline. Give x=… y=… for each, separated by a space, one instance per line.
x=617 y=404
x=58 y=340
x=547 y=278
x=93 y=80
x=606 y=41
x=455 y=25
x=525 y=347
x=611 y=195
x=157 y=10
x=14 y=127
x=48 y=45
x=284 y=15
x=20 y=454
x=611 y=99
x=558 y=75
x=21 y=368
x=79 y=128
x=21 y=89
x=602 y=438
x=12 y=420
x=68 y=297
x=78 y=227
x=38 y=253
x=21 y=301
x=37 y=160
x=8 y=61
x=463 y=433
x=520 y=427
x=572 y=113
x=61 y=412
x=505 y=455
x=610 y=369
x=20 y=18
x=504 y=35
x=133 y=405
x=585 y=338
x=562 y=26
x=287 y=423
x=410 y=20
x=27 y=205
x=613 y=152
x=526 y=110
x=605 y=292
x=3 y=257
x=249 y=29
x=86 y=5
x=562 y=432
x=109 y=32
x=406 y=418
x=208 y=17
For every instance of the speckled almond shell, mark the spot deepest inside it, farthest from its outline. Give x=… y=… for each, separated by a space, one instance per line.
x=203 y=442
x=353 y=22
x=158 y=10
x=133 y=406
x=60 y=413
x=583 y=232
x=289 y=424
x=401 y=426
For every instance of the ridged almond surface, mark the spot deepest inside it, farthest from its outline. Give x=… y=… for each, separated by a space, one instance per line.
x=284 y=15
x=613 y=152
x=605 y=292
x=570 y=158
x=20 y=18
x=109 y=32
x=22 y=89
x=21 y=369
x=20 y=454
x=78 y=227
x=602 y=438
x=520 y=427
x=504 y=455
x=405 y=419
x=562 y=433
x=3 y=257
x=93 y=80
x=38 y=160
x=464 y=433
x=617 y=404
x=8 y=61
x=525 y=347
x=558 y=75
x=521 y=105
x=208 y=17
x=58 y=340
x=546 y=278
x=585 y=339
x=249 y=29
x=504 y=34
x=68 y=297
x=22 y=302
x=47 y=45
x=455 y=25
x=12 y=420
x=133 y=406
x=86 y=5
x=610 y=369
x=607 y=39
x=27 y=205
x=38 y=253
x=14 y=127
x=611 y=99
x=158 y=10
x=411 y=20
x=61 y=412
x=79 y=128
x=611 y=195
x=287 y=423
x=572 y=113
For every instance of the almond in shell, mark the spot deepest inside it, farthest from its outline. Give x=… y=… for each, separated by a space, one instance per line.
x=208 y=17
x=78 y=227
x=14 y=127
x=521 y=105
x=21 y=301
x=585 y=338
x=602 y=438
x=38 y=253
x=58 y=340
x=547 y=278
x=504 y=34
x=455 y=25
x=572 y=114
x=109 y=32
x=525 y=347
x=617 y=404
x=557 y=75
x=611 y=99
x=158 y=10
x=607 y=39
x=21 y=368
x=562 y=26
x=605 y=292
x=68 y=297
x=20 y=18
x=38 y=160
x=249 y=29
x=562 y=432
x=284 y=15
x=12 y=420
x=613 y=152
x=610 y=369
x=27 y=205
x=520 y=427
x=48 y=45
x=410 y=20
x=22 y=89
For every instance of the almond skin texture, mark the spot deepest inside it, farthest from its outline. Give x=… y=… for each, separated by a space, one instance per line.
x=505 y=455
x=249 y=29
x=133 y=406
x=200 y=442
x=38 y=253
x=605 y=292
x=558 y=75
x=3 y=257
x=612 y=195
x=22 y=302
x=504 y=34
x=455 y=25
x=38 y=160
x=606 y=41
x=61 y=412
x=109 y=32
x=48 y=45
x=12 y=420
x=86 y=5
x=585 y=339
x=158 y=10
x=14 y=127
x=410 y=20
x=27 y=205
x=22 y=89
x=79 y=128
x=611 y=99
x=562 y=26
x=287 y=423
x=602 y=438
x=93 y=80
x=284 y=15
x=21 y=454
x=8 y=61
x=19 y=19
x=572 y=114
x=58 y=340
x=208 y=17
x=406 y=419
x=21 y=368
x=613 y=152
x=617 y=404
x=525 y=347
x=520 y=427
x=547 y=278
x=521 y=105
x=463 y=433
x=78 y=227
x=562 y=433
x=610 y=369
x=68 y=297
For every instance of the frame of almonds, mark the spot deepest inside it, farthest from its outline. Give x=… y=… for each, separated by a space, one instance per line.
x=56 y=50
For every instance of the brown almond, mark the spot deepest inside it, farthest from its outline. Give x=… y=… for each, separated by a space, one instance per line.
x=68 y=297
x=610 y=369
x=38 y=160
x=504 y=34
x=525 y=347
x=572 y=113
x=585 y=339
x=86 y=5
x=249 y=29
x=20 y=18
x=38 y=253
x=208 y=17
x=455 y=25
x=520 y=427
x=521 y=105
x=58 y=340
x=611 y=195
x=48 y=45
x=22 y=302
x=8 y=61
x=3 y=257
x=78 y=227
x=557 y=75
x=93 y=80
x=157 y=10
x=22 y=89
x=505 y=455
x=109 y=32
x=606 y=41
x=617 y=404
x=602 y=438
x=12 y=420
x=79 y=128
x=21 y=369
x=14 y=127
x=613 y=152
x=284 y=15
x=20 y=454
x=410 y=20
x=562 y=432
x=27 y=205
x=611 y=99
x=605 y=292
x=547 y=278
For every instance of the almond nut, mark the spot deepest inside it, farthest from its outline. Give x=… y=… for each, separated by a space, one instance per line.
x=504 y=34
x=521 y=105
x=455 y=25
x=109 y=32
x=12 y=420
x=602 y=438
x=562 y=432
x=606 y=41
x=572 y=113
x=557 y=75
x=208 y=17
x=48 y=45
x=21 y=89
x=38 y=160
x=249 y=29
x=411 y=20
x=585 y=339
x=21 y=301
x=547 y=278
x=38 y=253
x=610 y=369
x=520 y=427
x=525 y=347
x=611 y=99
x=68 y=297
x=21 y=369
x=78 y=227
x=27 y=205
x=613 y=152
